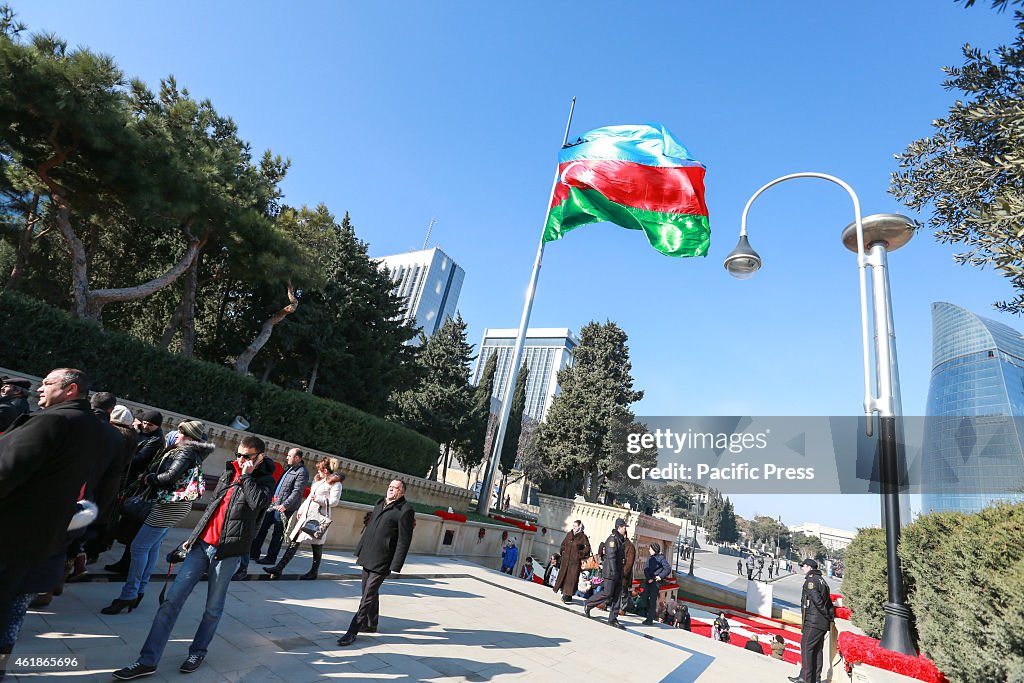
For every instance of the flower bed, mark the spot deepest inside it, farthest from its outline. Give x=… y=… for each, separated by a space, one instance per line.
x=451 y=516
x=525 y=526
x=843 y=613
x=857 y=649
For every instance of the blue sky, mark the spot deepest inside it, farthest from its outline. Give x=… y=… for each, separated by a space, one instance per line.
x=400 y=111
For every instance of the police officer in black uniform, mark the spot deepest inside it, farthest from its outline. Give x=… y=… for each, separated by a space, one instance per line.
x=611 y=572
x=818 y=613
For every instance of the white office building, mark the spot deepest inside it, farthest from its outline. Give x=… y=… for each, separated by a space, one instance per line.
x=831 y=538
x=546 y=351
x=430 y=282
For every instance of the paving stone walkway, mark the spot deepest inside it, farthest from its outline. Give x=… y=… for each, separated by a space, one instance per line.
x=441 y=620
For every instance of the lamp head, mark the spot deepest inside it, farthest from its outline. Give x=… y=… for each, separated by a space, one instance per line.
x=743 y=262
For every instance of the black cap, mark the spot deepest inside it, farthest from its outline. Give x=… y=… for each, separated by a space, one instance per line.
x=154 y=416
x=809 y=563
x=656 y=547
x=620 y=522
x=18 y=382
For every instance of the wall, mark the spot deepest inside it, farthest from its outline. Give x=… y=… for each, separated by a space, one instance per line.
x=428 y=536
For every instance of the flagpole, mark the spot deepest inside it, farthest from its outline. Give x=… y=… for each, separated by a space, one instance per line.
x=484 y=499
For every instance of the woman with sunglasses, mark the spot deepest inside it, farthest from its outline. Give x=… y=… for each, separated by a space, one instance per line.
x=323 y=494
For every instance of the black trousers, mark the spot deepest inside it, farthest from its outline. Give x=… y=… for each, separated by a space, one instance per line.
x=270 y=520
x=812 y=646
x=651 y=591
x=368 y=613
x=610 y=592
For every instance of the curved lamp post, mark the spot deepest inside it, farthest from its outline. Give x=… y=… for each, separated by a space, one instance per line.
x=871 y=238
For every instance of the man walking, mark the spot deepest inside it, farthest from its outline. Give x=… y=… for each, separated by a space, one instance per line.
x=222 y=535
x=381 y=551
x=611 y=572
x=656 y=570
x=818 y=613
x=287 y=499
x=750 y=567
x=628 y=564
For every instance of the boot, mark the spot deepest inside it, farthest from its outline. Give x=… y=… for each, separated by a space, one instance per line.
x=278 y=568
x=318 y=554
x=124 y=564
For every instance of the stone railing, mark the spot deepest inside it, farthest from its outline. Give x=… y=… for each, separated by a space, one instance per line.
x=436 y=536
x=359 y=475
x=556 y=516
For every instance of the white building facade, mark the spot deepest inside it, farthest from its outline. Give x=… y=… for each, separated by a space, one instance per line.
x=430 y=283
x=546 y=351
x=831 y=538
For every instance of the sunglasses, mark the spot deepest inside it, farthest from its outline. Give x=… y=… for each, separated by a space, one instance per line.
x=249 y=456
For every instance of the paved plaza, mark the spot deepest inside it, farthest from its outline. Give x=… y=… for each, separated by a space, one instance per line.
x=441 y=620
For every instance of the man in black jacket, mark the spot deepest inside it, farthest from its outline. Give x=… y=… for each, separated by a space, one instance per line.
x=222 y=536
x=611 y=572
x=818 y=613
x=45 y=461
x=287 y=499
x=13 y=400
x=118 y=452
x=381 y=551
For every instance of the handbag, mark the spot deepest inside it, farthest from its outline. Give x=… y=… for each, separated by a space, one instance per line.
x=591 y=563
x=315 y=524
x=138 y=507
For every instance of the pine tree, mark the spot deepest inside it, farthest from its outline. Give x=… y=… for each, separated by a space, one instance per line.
x=440 y=406
x=582 y=442
x=470 y=452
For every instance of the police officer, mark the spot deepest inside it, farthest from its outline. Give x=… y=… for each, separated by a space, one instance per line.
x=611 y=572
x=818 y=612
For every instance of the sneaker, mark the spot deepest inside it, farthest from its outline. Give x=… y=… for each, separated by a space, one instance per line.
x=240 y=575
x=77 y=568
x=136 y=670
x=190 y=664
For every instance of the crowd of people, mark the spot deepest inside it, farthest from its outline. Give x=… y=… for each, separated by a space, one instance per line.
x=82 y=473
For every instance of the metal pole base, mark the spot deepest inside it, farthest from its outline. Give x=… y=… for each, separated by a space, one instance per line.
x=896 y=636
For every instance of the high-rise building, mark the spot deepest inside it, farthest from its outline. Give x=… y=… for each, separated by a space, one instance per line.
x=430 y=282
x=973 y=451
x=546 y=350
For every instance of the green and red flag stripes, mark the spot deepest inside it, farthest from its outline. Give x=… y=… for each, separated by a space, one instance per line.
x=638 y=177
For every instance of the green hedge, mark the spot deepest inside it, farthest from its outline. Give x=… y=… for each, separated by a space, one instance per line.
x=865 y=590
x=37 y=338
x=968 y=572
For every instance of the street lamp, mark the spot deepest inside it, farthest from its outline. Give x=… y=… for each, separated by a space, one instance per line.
x=871 y=238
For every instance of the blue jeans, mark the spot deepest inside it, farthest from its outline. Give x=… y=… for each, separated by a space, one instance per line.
x=198 y=561
x=145 y=553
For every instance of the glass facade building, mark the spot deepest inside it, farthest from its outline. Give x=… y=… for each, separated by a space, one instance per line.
x=545 y=351
x=430 y=283
x=973 y=451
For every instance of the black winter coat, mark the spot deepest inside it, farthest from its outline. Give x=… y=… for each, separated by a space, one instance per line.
x=119 y=451
x=10 y=410
x=149 y=446
x=386 y=538
x=816 y=606
x=248 y=503
x=44 y=461
x=177 y=462
x=614 y=557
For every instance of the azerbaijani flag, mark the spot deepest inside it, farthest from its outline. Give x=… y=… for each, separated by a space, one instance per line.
x=638 y=177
